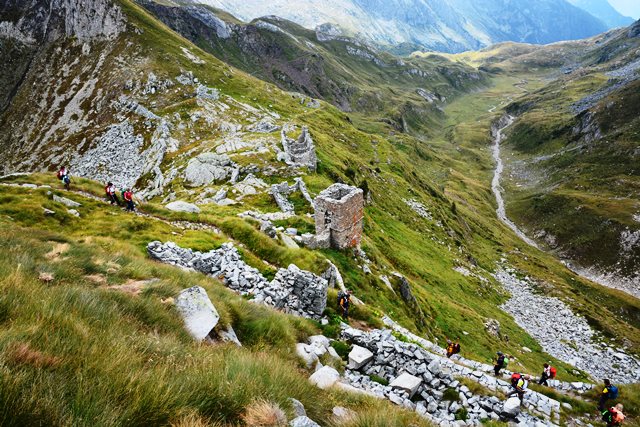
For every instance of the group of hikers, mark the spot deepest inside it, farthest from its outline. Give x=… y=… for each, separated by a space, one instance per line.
x=110 y=190
x=612 y=415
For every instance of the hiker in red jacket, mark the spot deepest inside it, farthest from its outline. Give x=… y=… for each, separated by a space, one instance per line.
x=128 y=198
x=613 y=416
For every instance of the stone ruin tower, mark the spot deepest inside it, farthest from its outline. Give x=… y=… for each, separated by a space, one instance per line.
x=339 y=216
x=300 y=152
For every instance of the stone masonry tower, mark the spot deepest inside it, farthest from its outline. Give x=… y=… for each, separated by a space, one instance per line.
x=339 y=216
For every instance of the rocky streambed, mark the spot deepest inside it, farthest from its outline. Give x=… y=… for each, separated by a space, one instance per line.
x=563 y=334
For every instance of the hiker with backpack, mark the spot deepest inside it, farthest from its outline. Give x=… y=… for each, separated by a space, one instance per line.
x=609 y=392
x=344 y=301
x=519 y=384
x=128 y=198
x=613 y=416
x=453 y=347
x=64 y=176
x=501 y=362
x=548 y=372
x=110 y=191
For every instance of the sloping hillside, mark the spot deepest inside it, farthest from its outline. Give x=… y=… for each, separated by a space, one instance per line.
x=143 y=107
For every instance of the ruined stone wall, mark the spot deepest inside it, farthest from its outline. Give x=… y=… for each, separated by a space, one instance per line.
x=340 y=214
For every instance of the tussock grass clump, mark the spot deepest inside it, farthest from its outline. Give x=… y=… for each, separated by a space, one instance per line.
x=264 y=414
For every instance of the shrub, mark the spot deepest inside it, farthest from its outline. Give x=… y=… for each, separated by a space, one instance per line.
x=379 y=380
x=451 y=394
x=342 y=348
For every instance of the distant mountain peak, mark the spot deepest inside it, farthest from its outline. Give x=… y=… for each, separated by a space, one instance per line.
x=443 y=25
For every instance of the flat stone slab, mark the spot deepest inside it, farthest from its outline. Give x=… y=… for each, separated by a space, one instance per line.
x=197 y=311
x=358 y=357
x=180 y=206
x=67 y=202
x=407 y=382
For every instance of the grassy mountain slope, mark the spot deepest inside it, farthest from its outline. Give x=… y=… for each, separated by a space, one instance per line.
x=448 y=171
x=574 y=154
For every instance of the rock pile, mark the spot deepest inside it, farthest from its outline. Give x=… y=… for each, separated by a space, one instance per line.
x=575 y=342
x=281 y=192
x=292 y=290
x=418 y=381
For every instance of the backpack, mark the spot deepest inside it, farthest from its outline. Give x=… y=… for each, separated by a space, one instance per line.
x=66 y=179
x=613 y=392
x=456 y=348
x=506 y=362
x=341 y=295
x=501 y=360
x=515 y=377
x=553 y=371
x=107 y=190
x=618 y=417
x=59 y=174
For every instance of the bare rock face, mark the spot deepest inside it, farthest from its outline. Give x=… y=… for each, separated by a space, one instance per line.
x=208 y=168
x=40 y=21
x=300 y=152
x=339 y=215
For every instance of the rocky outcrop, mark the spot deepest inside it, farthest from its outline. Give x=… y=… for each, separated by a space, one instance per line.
x=208 y=168
x=292 y=290
x=40 y=21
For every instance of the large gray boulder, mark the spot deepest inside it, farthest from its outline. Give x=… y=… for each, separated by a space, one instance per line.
x=406 y=382
x=325 y=377
x=511 y=407
x=180 y=206
x=197 y=311
x=307 y=354
x=207 y=168
x=358 y=357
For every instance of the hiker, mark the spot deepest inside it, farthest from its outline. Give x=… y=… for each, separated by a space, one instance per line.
x=453 y=348
x=110 y=191
x=344 y=301
x=546 y=374
x=62 y=172
x=609 y=392
x=613 y=416
x=128 y=198
x=501 y=362
x=64 y=176
x=519 y=383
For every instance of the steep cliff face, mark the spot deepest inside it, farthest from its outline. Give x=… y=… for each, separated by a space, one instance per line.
x=28 y=28
x=37 y=21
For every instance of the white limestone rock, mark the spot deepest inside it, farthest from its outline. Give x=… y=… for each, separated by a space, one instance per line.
x=197 y=311
x=406 y=382
x=325 y=377
x=358 y=357
x=180 y=206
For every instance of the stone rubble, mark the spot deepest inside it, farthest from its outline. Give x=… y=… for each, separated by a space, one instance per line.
x=419 y=208
x=292 y=290
x=411 y=369
x=575 y=342
x=281 y=192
